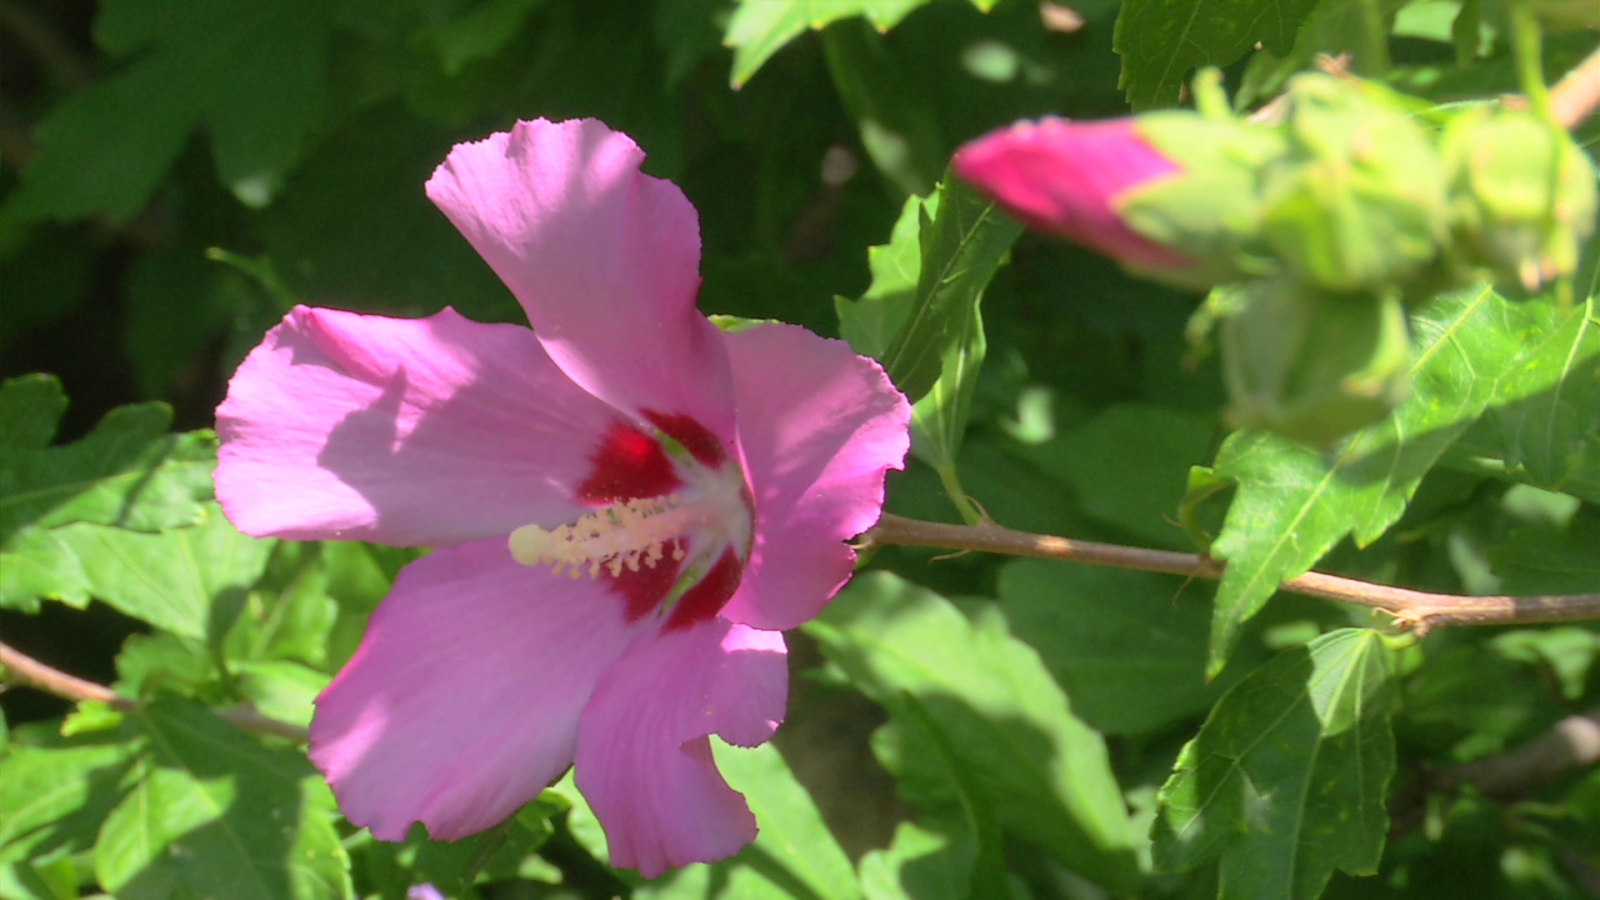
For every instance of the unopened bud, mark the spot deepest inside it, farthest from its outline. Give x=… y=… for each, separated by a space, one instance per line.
x=1172 y=196
x=1359 y=201
x=1313 y=365
x=1522 y=195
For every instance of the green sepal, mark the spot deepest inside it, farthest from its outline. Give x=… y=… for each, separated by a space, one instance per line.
x=1523 y=195
x=1211 y=211
x=1359 y=203
x=1314 y=365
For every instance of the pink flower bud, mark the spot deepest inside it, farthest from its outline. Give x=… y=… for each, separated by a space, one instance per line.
x=1065 y=178
x=1173 y=196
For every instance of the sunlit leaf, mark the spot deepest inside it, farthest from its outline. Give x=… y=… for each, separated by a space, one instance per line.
x=1294 y=503
x=963 y=241
x=38 y=563
x=190 y=581
x=1547 y=409
x=920 y=315
x=215 y=814
x=53 y=798
x=129 y=472
x=1044 y=772
x=1162 y=41
x=1286 y=780
x=760 y=28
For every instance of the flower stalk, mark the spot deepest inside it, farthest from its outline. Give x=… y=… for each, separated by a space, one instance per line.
x=1418 y=611
x=19 y=668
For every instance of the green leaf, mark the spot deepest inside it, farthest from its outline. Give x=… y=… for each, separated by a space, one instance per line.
x=1472 y=699
x=1129 y=466
x=1536 y=561
x=481 y=32
x=1129 y=648
x=502 y=852
x=1044 y=772
x=872 y=323
x=53 y=798
x=876 y=323
x=252 y=73
x=1547 y=409
x=955 y=849
x=189 y=581
x=582 y=823
x=291 y=614
x=1286 y=780
x=30 y=408
x=54 y=880
x=281 y=689
x=127 y=472
x=793 y=855
x=896 y=121
x=1294 y=503
x=1568 y=651
x=1161 y=41
x=939 y=419
x=35 y=563
x=760 y=28
x=152 y=664
x=1331 y=28
x=217 y=815
x=962 y=241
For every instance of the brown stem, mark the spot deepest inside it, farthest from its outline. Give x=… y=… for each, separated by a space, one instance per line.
x=19 y=668
x=1575 y=96
x=1417 y=610
x=1570 y=745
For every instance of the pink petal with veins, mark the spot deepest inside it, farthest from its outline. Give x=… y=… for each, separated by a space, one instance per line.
x=404 y=431
x=646 y=767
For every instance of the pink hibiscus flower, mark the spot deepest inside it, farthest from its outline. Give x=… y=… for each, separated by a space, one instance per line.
x=629 y=504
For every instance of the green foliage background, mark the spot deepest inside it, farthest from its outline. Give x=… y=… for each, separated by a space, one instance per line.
x=176 y=174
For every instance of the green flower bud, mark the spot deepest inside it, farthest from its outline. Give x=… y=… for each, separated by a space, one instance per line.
x=1313 y=365
x=1359 y=202
x=1522 y=194
x=1211 y=215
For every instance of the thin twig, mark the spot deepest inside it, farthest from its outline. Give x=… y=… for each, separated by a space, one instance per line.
x=1575 y=96
x=1571 y=744
x=1416 y=610
x=17 y=667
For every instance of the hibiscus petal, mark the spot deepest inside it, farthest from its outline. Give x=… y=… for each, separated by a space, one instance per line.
x=405 y=431
x=604 y=259
x=819 y=426
x=644 y=763
x=463 y=699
